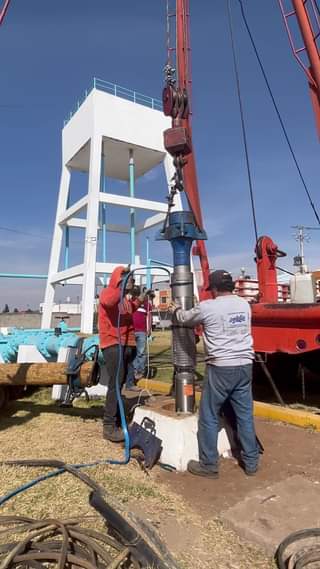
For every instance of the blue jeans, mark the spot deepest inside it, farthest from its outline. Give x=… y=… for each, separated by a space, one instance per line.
x=140 y=359
x=130 y=375
x=222 y=383
x=139 y=362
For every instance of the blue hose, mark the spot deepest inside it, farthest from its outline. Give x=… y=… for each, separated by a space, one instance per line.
x=126 y=458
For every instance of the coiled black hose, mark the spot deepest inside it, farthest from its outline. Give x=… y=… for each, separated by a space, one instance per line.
x=59 y=543
x=305 y=556
x=138 y=545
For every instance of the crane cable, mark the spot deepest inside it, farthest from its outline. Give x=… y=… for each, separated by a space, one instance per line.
x=3 y=10
x=276 y=108
x=243 y=126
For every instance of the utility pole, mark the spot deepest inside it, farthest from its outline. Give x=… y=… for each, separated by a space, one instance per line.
x=302 y=237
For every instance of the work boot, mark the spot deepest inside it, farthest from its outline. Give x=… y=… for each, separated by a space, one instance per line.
x=138 y=375
x=113 y=434
x=250 y=471
x=198 y=469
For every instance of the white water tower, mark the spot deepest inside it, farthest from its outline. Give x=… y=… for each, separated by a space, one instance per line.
x=115 y=133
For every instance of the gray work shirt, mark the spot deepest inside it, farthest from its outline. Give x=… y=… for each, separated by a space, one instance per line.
x=227 y=329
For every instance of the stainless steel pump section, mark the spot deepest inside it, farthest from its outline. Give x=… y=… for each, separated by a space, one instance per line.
x=181 y=230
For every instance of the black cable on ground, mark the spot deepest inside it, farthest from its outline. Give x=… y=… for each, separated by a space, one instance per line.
x=243 y=126
x=133 y=539
x=298 y=558
x=61 y=543
x=276 y=108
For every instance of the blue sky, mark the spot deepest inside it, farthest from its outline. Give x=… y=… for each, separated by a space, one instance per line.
x=49 y=53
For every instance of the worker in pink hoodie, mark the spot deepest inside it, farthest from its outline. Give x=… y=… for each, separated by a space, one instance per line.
x=111 y=306
x=142 y=322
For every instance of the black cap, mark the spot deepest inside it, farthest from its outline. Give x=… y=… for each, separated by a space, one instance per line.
x=221 y=280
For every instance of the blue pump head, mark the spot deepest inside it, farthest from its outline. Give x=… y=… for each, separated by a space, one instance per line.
x=181 y=230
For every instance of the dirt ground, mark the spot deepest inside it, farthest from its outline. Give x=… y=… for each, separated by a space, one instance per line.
x=187 y=511
x=184 y=510
x=288 y=451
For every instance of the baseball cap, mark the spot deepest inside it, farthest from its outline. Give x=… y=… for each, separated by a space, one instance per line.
x=221 y=280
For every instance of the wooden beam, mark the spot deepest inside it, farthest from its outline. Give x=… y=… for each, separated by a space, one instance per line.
x=41 y=374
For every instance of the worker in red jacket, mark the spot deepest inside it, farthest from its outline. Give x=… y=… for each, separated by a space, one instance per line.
x=112 y=304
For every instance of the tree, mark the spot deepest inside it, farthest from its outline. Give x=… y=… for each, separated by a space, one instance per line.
x=15 y=310
x=6 y=309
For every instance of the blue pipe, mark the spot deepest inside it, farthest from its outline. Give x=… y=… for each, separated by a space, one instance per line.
x=148 y=276
x=160 y=263
x=67 y=240
x=66 y=250
x=63 y=325
x=49 y=346
x=103 y=214
x=126 y=458
x=132 y=211
x=46 y=342
x=181 y=247
x=22 y=276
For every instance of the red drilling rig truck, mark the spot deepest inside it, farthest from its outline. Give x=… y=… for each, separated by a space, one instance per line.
x=282 y=330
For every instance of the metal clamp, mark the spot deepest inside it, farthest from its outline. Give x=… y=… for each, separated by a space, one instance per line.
x=75 y=389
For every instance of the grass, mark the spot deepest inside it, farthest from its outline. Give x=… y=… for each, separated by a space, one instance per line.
x=35 y=428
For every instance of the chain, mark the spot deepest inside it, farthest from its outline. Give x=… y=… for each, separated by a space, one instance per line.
x=170 y=75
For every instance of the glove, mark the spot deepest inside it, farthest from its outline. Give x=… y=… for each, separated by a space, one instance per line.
x=147 y=293
x=173 y=306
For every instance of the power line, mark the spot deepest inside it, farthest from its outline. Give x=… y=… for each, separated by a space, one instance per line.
x=284 y=130
x=243 y=126
x=11 y=230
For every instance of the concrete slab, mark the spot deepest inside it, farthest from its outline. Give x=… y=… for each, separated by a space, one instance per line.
x=29 y=354
x=178 y=434
x=267 y=515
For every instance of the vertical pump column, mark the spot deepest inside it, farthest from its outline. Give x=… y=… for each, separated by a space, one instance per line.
x=181 y=231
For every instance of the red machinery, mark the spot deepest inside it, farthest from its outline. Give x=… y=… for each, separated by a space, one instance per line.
x=307 y=15
x=277 y=327
x=176 y=103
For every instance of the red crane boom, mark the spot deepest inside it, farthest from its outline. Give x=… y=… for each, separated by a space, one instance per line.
x=307 y=15
x=177 y=102
x=289 y=329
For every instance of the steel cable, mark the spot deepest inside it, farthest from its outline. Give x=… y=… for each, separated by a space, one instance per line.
x=243 y=125
x=3 y=10
x=276 y=108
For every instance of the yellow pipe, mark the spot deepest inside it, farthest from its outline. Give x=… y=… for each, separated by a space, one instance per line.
x=154 y=385
x=297 y=417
